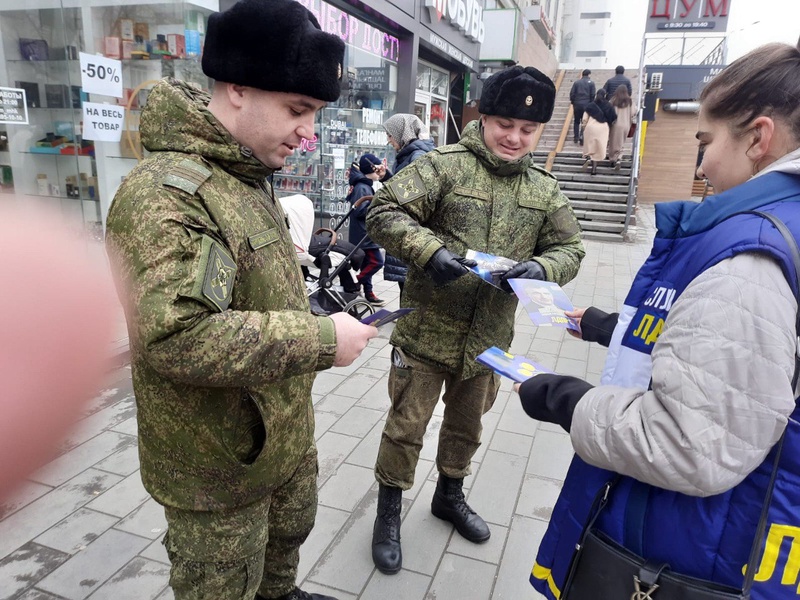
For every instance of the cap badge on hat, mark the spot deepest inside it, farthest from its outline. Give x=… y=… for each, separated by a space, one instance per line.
x=528 y=100
x=339 y=71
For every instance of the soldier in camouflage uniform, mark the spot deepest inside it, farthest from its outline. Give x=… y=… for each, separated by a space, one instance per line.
x=223 y=344
x=484 y=194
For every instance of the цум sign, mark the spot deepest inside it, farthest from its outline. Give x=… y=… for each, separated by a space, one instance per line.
x=685 y=15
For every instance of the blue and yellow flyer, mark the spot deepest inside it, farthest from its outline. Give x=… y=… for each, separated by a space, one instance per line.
x=545 y=303
x=518 y=368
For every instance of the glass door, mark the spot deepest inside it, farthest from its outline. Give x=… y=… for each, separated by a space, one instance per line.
x=430 y=101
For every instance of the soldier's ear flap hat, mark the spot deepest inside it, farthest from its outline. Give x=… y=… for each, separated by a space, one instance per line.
x=519 y=93
x=273 y=45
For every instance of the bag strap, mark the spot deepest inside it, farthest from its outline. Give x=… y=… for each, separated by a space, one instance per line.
x=762 y=521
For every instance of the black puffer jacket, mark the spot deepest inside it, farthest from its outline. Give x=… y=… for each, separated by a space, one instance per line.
x=362 y=186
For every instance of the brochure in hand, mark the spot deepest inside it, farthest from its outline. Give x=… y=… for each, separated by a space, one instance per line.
x=383 y=316
x=545 y=303
x=490 y=267
x=518 y=368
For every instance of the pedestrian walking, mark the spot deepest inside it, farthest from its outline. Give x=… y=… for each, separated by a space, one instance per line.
x=580 y=95
x=597 y=120
x=617 y=80
x=626 y=117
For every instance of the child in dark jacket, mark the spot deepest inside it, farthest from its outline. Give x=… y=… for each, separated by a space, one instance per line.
x=367 y=170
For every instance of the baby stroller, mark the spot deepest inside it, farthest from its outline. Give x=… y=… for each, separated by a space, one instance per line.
x=333 y=257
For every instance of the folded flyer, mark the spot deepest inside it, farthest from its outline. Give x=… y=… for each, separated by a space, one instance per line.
x=545 y=303
x=490 y=267
x=518 y=368
x=383 y=316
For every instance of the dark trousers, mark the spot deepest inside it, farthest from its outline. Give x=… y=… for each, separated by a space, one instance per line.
x=578 y=114
x=373 y=262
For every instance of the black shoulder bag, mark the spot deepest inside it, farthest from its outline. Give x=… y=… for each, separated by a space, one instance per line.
x=603 y=569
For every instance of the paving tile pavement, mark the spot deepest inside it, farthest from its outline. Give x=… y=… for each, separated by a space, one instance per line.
x=84 y=527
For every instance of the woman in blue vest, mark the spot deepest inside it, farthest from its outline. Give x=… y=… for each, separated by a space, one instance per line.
x=697 y=386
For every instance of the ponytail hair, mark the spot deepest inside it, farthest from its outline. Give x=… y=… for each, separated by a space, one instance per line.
x=765 y=81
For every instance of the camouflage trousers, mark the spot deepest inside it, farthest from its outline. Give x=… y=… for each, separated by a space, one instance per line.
x=414 y=389
x=232 y=554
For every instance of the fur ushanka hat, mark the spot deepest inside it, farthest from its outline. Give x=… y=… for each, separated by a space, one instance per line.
x=519 y=93
x=273 y=45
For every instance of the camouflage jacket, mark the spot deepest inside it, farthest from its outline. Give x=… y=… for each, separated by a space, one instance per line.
x=223 y=344
x=464 y=197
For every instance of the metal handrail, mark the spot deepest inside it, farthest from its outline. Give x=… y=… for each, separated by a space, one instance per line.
x=634 y=180
x=538 y=135
x=551 y=157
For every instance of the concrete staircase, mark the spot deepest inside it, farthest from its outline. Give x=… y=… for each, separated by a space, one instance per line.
x=599 y=201
x=552 y=129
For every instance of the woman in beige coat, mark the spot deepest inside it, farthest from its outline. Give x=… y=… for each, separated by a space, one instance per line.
x=597 y=120
x=626 y=116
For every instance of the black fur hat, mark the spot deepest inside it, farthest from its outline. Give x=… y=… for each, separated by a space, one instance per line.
x=273 y=45
x=519 y=93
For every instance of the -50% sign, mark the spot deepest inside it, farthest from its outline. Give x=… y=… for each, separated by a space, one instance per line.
x=101 y=75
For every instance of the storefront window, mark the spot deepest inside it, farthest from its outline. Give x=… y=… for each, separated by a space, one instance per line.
x=430 y=103
x=47 y=155
x=350 y=127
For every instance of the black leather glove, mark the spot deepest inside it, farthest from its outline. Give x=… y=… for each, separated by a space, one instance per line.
x=444 y=266
x=552 y=398
x=524 y=270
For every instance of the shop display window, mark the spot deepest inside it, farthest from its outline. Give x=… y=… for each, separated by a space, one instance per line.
x=349 y=127
x=43 y=154
x=430 y=103
x=45 y=158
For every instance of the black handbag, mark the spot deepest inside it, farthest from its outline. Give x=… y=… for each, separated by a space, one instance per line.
x=602 y=569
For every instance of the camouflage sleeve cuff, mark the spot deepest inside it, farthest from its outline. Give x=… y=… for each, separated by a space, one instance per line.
x=327 y=341
x=548 y=268
x=428 y=251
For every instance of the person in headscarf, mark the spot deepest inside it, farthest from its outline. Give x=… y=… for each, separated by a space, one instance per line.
x=410 y=139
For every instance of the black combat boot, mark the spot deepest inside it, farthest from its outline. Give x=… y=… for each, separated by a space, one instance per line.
x=449 y=504
x=298 y=594
x=386 y=552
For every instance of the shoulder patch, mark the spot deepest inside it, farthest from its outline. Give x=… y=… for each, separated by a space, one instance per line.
x=543 y=171
x=564 y=223
x=187 y=176
x=450 y=149
x=215 y=276
x=407 y=186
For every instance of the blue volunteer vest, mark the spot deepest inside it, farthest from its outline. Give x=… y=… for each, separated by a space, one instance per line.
x=708 y=537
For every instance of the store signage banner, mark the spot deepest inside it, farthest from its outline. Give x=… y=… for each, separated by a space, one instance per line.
x=450 y=50
x=13 y=108
x=353 y=31
x=464 y=15
x=101 y=75
x=102 y=122
x=667 y=16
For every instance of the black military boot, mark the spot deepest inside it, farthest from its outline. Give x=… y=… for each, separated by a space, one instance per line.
x=386 y=552
x=298 y=594
x=449 y=504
